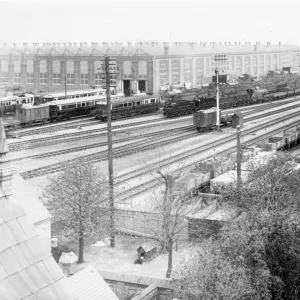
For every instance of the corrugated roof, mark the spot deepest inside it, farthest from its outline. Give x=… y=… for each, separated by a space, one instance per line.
x=91 y=286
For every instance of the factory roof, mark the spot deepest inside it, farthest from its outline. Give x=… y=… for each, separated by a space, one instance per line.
x=143 y=50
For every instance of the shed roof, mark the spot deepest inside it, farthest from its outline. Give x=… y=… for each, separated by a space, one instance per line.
x=148 y=246
x=91 y=286
x=237 y=114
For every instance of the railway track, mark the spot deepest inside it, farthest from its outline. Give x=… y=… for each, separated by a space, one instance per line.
x=94 y=133
x=134 y=148
x=148 y=136
x=63 y=138
x=82 y=123
x=102 y=155
x=139 y=189
x=70 y=125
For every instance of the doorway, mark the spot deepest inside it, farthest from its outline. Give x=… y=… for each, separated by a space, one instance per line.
x=142 y=86
x=126 y=87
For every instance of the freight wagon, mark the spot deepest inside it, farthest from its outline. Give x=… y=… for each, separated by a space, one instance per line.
x=205 y=120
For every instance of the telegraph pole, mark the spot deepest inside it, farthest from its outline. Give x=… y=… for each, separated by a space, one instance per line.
x=218 y=100
x=109 y=75
x=238 y=159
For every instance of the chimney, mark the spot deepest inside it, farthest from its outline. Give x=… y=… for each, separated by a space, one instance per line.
x=166 y=50
x=54 y=242
x=279 y=44
x=68 y=262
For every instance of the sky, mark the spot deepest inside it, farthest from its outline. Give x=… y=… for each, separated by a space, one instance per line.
x=165 y=20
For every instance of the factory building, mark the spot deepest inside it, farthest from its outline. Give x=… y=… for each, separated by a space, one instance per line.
x=143 y=67
x=49 y=67
x=194 y=64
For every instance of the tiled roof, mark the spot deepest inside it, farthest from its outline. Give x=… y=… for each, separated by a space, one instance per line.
x=146 y=50
x=91 y=286
x=27 y=269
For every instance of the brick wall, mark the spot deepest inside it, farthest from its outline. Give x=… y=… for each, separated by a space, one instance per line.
x=37 y=87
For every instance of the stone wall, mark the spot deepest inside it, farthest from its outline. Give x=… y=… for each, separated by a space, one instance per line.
x=130 y=286
x=142 y=222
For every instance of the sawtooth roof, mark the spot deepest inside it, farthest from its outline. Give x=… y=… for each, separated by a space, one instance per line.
x=157 y=51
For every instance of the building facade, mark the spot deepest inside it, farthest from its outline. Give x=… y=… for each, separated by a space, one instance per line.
x=145 y=66
x=50 y=67
x=194 y=65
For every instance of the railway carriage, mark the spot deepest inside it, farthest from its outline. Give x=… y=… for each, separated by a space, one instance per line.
x=57 y=96
x=127 y=107
x=8 y=104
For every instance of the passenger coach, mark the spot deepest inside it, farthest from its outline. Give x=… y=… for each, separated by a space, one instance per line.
x=127 y=107
x=73 y=94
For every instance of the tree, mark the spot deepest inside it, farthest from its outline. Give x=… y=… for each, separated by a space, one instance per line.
x=264 y=239
x=77 y=200
x=272 y=184
x=170 y=204
x=282 y=248
x=207 y=274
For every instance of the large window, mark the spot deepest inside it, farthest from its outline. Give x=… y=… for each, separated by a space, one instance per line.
x=17 y=71
x=70 y=72
x=43 y=72
x=4 y=71
x=163 y=72
x=127 y=70
x=143 y=68
x=98 y=72
x=188 y=70
x=84 y=70
x=199 y=71
x=56 y=72
x=175 y=70
x=29 y=72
